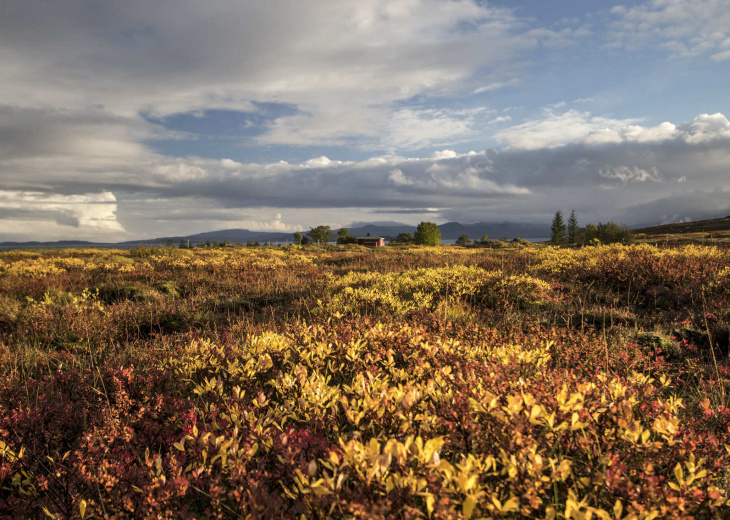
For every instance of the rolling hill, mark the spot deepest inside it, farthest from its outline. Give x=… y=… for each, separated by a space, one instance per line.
x=699 y=226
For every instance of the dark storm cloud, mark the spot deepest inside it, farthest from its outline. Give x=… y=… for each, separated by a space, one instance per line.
x=36 y=132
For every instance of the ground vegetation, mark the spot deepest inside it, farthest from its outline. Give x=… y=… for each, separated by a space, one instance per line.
x=329 y=382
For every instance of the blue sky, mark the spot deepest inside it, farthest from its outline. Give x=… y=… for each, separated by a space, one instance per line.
x=129 y=119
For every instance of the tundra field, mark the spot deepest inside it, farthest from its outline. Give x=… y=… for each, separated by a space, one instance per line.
x=530 y=382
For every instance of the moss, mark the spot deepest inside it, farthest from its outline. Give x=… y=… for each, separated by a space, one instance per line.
x=660 y=344
x=9 y=309
x=121 y=260
x=169 y=288
x=136 y=292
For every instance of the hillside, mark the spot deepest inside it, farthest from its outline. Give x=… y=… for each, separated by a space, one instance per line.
x=699 y=226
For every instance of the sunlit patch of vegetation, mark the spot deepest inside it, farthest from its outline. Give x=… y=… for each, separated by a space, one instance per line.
x=342 y=382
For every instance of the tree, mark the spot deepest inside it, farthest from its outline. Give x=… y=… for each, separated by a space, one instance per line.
x=611 y=232
x=607 y=233
x=320 y=235
x=183 y=244
x=404 y=238
x=557 y=230
x=298 y=238
x=485 y=239
x=344 y=237
x=463 y=240
x=588 y=233
x=427 y=234
x=572 y=227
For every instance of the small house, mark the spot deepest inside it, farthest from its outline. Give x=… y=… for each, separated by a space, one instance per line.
x=370 y=241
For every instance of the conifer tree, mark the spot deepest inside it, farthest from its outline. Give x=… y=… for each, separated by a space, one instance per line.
x=557 y=230
x=572 y=227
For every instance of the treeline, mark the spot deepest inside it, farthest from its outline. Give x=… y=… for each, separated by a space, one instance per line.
x=187 y=244
x=427 y=234
x=562 y=233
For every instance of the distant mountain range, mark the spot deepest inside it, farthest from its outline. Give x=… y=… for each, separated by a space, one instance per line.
x=449 y=231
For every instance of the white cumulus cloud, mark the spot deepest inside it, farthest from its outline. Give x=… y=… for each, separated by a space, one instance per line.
x=572 y=127
x=81 y=216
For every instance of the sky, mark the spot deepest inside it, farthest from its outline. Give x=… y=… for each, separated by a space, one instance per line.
x=129 y=119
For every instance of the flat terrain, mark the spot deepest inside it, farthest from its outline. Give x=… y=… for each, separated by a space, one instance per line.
x=531 y=382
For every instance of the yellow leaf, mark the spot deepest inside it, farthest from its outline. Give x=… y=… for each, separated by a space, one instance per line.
x=468 y=483
x=618 y=508
x=679 y=474
x=645 y=436
x=432 y=446
x=82 y=508
x=429 y=504
x=600 y=513
x=513 y=504
x=321 y=490
x=549 y=513
x=467 y=506
x=535 y=413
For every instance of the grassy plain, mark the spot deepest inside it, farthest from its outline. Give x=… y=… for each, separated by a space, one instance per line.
x=448 y=382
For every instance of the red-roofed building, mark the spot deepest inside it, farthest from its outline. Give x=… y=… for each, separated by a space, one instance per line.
x=370 y=241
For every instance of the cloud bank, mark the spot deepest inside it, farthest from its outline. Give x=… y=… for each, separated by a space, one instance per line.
x=608 y=169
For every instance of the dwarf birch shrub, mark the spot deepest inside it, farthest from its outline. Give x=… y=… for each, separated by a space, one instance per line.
x=434 y=383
